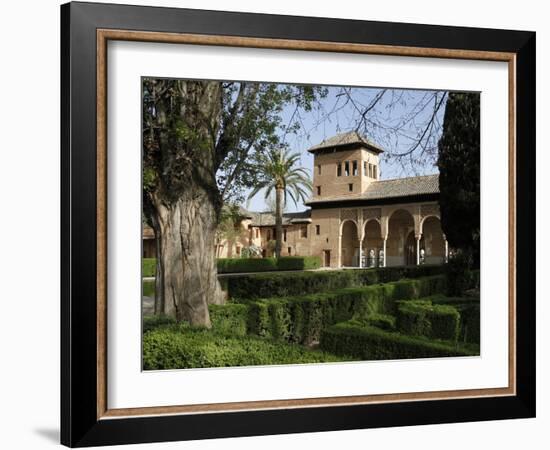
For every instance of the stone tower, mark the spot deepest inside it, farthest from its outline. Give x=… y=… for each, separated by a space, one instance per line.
x=344 y=166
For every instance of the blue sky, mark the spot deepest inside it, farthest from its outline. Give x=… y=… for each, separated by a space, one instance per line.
x=395 y=123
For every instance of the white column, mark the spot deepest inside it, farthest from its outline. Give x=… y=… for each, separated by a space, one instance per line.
x=360 y=254
x=418 y=237
x=384 y=249
x=446 y=251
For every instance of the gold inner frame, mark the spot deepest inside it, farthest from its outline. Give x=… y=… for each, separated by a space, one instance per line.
x=104 y=35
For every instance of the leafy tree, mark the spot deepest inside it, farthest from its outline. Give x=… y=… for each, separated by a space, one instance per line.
x=200 y=142
x=229 y=228
x=458 y=162
x=279 y=171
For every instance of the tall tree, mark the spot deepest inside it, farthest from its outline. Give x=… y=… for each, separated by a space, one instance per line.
x=459 y=164
x=280 y=171
x=200 y=139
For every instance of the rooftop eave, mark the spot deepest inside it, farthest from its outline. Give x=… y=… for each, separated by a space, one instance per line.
x=363 y=201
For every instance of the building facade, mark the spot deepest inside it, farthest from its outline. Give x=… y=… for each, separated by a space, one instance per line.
x=354 y=219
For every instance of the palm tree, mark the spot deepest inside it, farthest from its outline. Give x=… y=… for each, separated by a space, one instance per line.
x=279 y=170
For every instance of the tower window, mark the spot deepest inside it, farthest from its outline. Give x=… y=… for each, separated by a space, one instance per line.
x=319 y=169
x=284 y=234
x=289 y=250
x=354 y=168
x=339 y=170
x=346 y=168
x=303 y=231
x=370 y=170
x=374 y=172
x=350 y=187
x=318 y=190
x=365 y=168
x=317 y=230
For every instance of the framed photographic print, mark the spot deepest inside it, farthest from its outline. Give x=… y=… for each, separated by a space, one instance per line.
x=276 y=224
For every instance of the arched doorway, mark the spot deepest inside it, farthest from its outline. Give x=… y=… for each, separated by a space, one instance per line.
x=410 y=249
x=372 y=244
x=349 y=245
x=433 y=241
x=400 y=228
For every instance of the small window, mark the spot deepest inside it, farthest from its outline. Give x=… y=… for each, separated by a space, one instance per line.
x=289 y=250
x=346 y=168
x=374 y=172
x=284 y=235
x=303 y=231
x=370 y=170
x=317 y=230
x=319 y=169
x=318 y=190
x=354 y=168
x=350 y=187
x=339 y=169
x=365 y=173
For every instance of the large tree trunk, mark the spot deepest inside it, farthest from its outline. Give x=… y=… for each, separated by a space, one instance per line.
x=278 y=221
x=186 y=278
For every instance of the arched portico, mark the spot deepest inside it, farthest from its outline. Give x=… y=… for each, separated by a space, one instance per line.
x=433 y=243
x=349 y=244
x=400 y=226
x=372 y=244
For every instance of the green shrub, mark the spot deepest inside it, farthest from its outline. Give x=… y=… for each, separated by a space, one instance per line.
x=239 y=265
x=298 y=262
x=229 y=319
x=236 y=265
x=383 y=321
x=148 y=267
x=370 y=343
x=181 y=347
x=421 y=318
x=297 y=283
x=302 y=318
x=469 y=310
x=152 y=322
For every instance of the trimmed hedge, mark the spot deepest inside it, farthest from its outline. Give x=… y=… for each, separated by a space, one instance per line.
x=383 y=321
x=236 y=265
x=421 y=318
x=370 y=343
x=291 y=284
x=148 y=267
x=229 y=319
x=239 y=265
x=469 y=310
x=151 y=322
x=298 y=262
x=302 y=318
x=181 y=347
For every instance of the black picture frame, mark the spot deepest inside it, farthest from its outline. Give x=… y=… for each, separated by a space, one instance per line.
x=80 y=425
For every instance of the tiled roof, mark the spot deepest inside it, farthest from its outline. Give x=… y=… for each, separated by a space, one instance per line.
x=385 y=189
x=268 y=218
x=343 y=139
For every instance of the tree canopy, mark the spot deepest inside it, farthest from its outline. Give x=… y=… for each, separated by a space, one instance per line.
x=459 y=166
